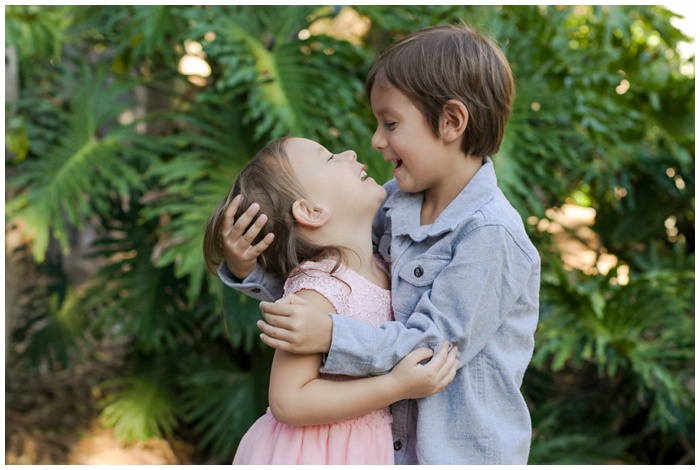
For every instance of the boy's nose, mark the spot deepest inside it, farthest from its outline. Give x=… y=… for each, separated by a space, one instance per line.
x=378 y=141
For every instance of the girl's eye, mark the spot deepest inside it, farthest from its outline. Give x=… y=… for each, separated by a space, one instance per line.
x=390 y=125
x=330 y=158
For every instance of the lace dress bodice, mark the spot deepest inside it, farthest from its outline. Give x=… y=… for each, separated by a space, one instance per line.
x=352 y=295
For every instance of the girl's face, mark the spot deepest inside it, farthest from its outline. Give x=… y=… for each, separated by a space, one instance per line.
x=336 y=181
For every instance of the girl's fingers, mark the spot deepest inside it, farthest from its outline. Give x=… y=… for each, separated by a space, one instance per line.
x=418 y=355
x=439 y=360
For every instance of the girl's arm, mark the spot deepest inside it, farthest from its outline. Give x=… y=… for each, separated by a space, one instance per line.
x=298 y=396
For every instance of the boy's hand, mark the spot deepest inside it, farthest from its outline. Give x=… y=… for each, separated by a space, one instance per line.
x=296 y=325
x=241 y=256
x=417 y=380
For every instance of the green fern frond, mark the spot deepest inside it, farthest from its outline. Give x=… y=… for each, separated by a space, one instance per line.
x=241 y=314
x=284 y=91
x=132 y=296
x=205 y=160
x=140 y=406
x=222 y=404
x=53 y=330
x=68 y=185
x=38 y=32
x=558 y=441
x=642 y=329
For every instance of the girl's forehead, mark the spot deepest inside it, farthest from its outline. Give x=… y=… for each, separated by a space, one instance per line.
x=301 y=147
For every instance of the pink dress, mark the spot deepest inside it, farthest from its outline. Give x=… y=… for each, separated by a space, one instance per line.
x=365 y=439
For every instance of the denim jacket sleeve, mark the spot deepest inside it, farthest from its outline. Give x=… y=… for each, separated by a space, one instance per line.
x=258 y=285
x=488 y=281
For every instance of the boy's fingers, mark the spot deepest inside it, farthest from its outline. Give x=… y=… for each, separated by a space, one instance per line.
x=275 y=308
x=237 y=227
x=277 y=334
x=275 y=343
x=264 y=244
x=254 y=229
x=231 y=211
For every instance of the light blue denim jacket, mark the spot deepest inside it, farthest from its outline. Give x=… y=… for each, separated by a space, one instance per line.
x=471 y=277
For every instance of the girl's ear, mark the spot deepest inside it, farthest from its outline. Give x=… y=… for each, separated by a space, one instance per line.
x=308 y=214
x=453 y=121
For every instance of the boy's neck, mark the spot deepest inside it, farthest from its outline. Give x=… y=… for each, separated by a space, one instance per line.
x=455 y=179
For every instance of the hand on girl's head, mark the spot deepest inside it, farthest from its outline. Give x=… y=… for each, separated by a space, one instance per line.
x=239 y=252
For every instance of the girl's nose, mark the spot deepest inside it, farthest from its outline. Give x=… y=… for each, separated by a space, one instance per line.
x=349 y=155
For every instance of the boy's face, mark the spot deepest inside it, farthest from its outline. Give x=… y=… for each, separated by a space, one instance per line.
x=404 y=139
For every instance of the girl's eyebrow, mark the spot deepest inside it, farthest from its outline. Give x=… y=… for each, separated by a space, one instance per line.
x=323 y=150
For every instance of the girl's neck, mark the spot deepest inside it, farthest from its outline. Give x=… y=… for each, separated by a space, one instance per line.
x=365 y=265
x=356 y=242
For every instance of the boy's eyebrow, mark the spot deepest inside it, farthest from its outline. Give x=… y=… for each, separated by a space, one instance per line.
x=383 y=110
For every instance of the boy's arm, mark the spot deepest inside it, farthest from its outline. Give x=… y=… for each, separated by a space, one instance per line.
x=489 y=277
x=258 y=285
x=298 y=396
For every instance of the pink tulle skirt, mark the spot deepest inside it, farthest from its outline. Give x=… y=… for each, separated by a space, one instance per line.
x=354 y=442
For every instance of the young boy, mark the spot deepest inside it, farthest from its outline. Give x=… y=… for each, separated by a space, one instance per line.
x=463 y=268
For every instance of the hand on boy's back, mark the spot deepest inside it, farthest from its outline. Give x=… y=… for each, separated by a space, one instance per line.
x=295 y=325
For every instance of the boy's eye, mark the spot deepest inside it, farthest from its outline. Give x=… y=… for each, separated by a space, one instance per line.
x=390 y=125
x=330 y=158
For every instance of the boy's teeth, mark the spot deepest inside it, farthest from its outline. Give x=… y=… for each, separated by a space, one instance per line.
x=363 y=175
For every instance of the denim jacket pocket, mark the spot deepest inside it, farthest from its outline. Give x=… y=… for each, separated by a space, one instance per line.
x=416 y=277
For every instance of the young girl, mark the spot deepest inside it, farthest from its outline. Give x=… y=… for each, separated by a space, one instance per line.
x=320 y=207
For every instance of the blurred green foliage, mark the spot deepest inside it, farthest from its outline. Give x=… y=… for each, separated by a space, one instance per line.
x=106 y=133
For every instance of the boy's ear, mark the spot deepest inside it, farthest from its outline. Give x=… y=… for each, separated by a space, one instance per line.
x=453 y=121
x=308 y=214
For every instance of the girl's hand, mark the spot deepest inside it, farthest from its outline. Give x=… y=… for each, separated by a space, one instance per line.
x=241 y=257
x=415 y=380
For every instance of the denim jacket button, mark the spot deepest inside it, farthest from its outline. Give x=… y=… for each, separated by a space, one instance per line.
x=418 y=272
x=397 y=445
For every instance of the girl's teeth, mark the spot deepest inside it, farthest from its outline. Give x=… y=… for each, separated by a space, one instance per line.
x=363 y=175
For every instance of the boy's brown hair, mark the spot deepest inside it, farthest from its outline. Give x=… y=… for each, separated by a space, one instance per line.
x=440 y=63
x=269 y=180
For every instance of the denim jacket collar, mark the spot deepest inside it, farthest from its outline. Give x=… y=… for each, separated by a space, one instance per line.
x=406 y=207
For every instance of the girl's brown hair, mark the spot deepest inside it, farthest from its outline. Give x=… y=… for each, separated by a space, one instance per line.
x=269 y=180
x=441 y=63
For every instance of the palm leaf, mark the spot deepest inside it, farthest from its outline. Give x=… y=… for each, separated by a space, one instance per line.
x=205 y=159
x=259 y=51
x=220 y=402
x=131 y=296
x=53 y=330
x=36 y=31
x=91 y=165
x=142 y=405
